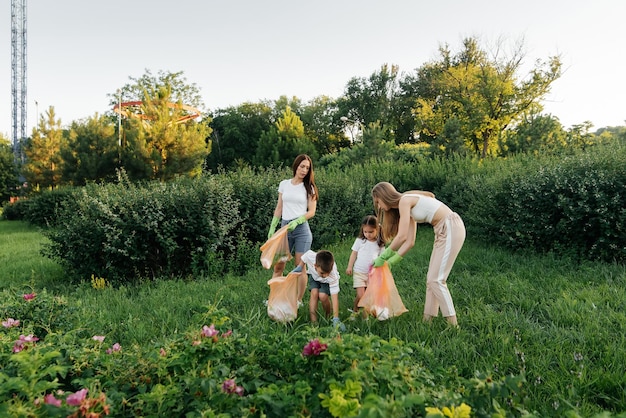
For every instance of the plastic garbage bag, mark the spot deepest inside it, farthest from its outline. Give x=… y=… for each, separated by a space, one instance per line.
x=381 y=298
x=276 y=249
x=282 y=304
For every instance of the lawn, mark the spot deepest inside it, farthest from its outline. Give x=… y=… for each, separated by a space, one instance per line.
x=558 y=323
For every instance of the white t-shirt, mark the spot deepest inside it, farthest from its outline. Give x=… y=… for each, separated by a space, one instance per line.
x=367 y=251
x=295 y=199
x=332 y=279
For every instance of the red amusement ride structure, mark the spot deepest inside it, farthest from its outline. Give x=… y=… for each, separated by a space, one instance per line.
x=133 y=110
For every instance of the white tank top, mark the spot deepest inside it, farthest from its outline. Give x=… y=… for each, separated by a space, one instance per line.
x=425 y=208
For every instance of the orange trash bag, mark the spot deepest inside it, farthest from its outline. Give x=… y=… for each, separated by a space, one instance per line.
x=282 y=304
x=276 y=249
x=381 y=298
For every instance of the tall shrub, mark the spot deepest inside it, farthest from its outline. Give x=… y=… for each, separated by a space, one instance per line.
x=123 y=232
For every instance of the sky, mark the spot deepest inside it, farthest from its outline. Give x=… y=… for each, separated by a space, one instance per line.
x=81 y=51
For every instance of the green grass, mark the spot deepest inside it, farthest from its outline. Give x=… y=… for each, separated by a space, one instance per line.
x=559 y=323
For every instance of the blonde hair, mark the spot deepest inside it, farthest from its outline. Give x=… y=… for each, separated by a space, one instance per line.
x=387 y=194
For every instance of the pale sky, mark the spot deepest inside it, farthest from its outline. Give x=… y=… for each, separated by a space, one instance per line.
x=79 y=51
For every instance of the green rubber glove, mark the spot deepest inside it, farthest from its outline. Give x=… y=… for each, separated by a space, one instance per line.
x=385 y=255
x=273 y=225
x=394 y=259
x=298 y=221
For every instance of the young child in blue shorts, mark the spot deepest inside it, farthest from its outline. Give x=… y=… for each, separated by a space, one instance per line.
x=323 y=283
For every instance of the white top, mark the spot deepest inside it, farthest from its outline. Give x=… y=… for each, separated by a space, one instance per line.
x=332 y=279
x=295 y=200
x=425 y=208
x=367 y=251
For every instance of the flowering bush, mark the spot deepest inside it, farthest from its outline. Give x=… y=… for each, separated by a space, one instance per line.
x=214 y=370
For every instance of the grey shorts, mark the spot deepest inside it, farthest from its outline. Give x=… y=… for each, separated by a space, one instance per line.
x=300 y=239
x=323 y=287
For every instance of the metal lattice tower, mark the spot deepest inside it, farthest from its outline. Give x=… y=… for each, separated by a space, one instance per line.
x=18 y=76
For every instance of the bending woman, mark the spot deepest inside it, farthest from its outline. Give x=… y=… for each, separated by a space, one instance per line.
x=401 y=212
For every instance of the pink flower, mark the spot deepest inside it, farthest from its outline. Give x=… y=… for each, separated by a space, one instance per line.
x=28 y=338
x=209 y=331
x=51 y=400
x=77 y=398
x=227 y=333
x=29 y=296
x=18 y=346
x=314 y=348
x=9 y=323
x=114 y=348
x=162 y=352
x=98 y=338
x=229 y=386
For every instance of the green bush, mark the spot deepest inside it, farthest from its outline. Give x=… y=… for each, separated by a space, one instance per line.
x=571 y=205
x=216 y=368
x=125 y=232
x=41 y=208
x=16 y=211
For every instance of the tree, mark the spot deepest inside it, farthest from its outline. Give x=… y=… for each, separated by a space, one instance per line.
x=323 y=126
x=485 y=94
x=283 y=141
x=367 y=100
x=91 y=152
x=158 y=145
x=8 y=170
x=180 y=89
x=236 y=133
x=42 y=168
x=578 y=136
x=534 y=134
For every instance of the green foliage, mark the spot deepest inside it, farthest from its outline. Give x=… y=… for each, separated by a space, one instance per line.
x=573 y=206
x=43 y=167
x=123 y=231
x=483 y=96
x=8 y=171
x=283 y=142
x=91 y=152
x=39 y=312
x=43 y=208
x=236 y=133
x=216 y=367
x=256 y=190
x=158 y=146
x=537 y=333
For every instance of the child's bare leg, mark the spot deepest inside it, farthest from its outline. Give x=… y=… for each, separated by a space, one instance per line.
x=302 y=282
x=325 y=303
x=359 y=294
x=303 y=279
x=313 y=305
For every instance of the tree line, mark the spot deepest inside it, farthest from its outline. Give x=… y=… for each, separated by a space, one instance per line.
x=472 y=101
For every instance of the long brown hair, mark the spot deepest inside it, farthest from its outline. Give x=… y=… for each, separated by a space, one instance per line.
x=371 y=220
x=309 y=180
x=389 y=219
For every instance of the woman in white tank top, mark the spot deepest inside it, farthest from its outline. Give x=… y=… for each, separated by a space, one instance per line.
x=401 y=212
